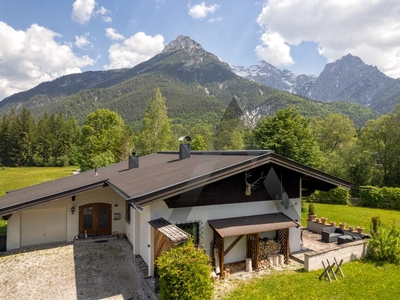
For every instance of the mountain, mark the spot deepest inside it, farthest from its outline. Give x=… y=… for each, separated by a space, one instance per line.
x=197 y=86
x=347 y=79
x=267 y=74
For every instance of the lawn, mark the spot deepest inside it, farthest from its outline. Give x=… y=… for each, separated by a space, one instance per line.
x=352 y=215
x=363 y=280
x=16 y=178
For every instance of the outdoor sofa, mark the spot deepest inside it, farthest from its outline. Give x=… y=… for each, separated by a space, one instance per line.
x=334 y=234
x=330 y=234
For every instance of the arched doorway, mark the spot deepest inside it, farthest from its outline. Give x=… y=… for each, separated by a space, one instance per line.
x=95 y=218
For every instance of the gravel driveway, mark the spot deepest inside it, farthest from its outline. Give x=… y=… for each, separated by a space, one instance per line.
x=83 y=270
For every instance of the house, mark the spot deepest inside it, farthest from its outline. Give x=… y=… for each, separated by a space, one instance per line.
x=227 y=201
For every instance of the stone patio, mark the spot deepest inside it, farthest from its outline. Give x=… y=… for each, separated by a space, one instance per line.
x=312 y=242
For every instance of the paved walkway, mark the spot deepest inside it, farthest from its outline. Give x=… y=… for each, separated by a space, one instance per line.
x=312 y=242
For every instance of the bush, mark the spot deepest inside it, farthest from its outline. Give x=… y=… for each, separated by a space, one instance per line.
x=185 y=273
x=311 y=209
x=338 y=195
x=385 y=245
x=385 y=197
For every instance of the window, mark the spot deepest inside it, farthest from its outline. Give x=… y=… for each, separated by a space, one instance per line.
x=127 y=212
x=193 y=228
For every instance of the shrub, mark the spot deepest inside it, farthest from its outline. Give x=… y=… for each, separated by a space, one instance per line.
x=385 y=245
x=385 y=197
x=338 y=195
x=375 y=225
x=185 y=273
x=311 y=209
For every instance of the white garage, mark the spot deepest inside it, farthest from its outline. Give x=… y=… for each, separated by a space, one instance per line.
x=41 y=226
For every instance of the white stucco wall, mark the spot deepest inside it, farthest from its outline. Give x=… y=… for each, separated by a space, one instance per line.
x=14 y=231
x=145 y=237
x=204 y=213
x=70 y=223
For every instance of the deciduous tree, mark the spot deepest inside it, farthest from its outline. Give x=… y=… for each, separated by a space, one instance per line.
x=288 y=134
x=156 y=132
x=105 y=139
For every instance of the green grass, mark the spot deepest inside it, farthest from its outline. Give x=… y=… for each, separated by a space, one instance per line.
x=363 y=280
x=352 y=215
x=16 y=178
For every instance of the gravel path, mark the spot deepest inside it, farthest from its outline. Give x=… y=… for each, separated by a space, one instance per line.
x=82 y=270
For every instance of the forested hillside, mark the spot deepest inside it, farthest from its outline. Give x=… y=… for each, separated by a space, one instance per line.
x=197 y=87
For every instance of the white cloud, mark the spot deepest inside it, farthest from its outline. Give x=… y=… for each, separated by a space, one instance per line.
x=30 y=57
x=365 y=28
x=82 y=41
x=111 y=33
x=106 y=19
x=212 y=20
x=101 y=11
x=200 y=11
x=134 y=50
x=274 y=49
x=82 y=10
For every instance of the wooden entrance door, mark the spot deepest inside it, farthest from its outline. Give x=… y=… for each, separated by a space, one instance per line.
x=95 y=218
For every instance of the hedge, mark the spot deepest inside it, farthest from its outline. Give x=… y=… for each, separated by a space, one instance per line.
x=338 y=195
x=384 y=197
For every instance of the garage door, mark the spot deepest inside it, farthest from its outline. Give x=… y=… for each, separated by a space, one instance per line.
x=40 y=226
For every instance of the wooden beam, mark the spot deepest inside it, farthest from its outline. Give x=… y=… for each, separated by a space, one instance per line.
x=257 y=250
x=287 y=254
x=233 y=244
x=222 y=258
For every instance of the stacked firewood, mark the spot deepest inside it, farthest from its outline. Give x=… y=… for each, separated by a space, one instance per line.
x=268 y=247
x=263 y=264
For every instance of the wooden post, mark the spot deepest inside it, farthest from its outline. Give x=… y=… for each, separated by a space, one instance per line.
x=257 y=250
x=222 y=257
x=287 y=254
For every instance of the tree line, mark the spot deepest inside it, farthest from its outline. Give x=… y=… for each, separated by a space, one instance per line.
x=368 y=155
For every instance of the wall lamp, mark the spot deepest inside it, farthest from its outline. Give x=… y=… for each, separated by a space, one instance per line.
x=72 y=209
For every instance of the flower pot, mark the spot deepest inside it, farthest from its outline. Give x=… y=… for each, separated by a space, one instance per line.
x=311 y=217
x=333 y=223
x=351 y=228
x=317 y=220
x=360 y=230
x=342 y=225
x=323 y=220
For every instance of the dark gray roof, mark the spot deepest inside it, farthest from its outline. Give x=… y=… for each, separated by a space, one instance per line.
x=159 y=176
x=171 y=231
x=252 y=224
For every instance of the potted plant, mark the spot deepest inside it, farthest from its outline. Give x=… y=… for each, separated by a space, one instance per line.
x=360 y=229
x=342 y=225
x=311 y=212
x=323 y=220
x=333 y=223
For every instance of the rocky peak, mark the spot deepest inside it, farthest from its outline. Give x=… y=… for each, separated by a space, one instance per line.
x=182 y=42
x=348 y=79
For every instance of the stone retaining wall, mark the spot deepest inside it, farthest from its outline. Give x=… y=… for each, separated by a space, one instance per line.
x=347 y=252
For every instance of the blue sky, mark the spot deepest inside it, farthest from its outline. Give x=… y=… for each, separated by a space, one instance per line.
x=45 y=39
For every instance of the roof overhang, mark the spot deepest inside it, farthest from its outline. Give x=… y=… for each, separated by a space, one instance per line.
x=171 y=231
x=252 y=224
x=255 y=161
x=62 y=194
